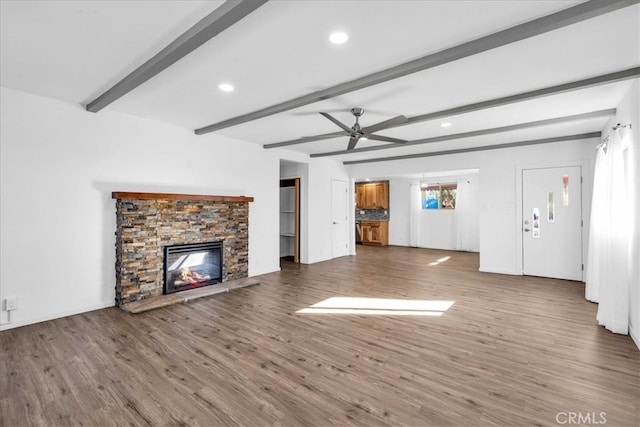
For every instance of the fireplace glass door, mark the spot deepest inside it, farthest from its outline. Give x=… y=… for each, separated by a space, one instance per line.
x=192 y=266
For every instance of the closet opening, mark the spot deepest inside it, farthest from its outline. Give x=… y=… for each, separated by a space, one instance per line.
x=290 y=219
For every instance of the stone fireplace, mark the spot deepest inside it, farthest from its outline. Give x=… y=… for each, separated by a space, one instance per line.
x=190 y=240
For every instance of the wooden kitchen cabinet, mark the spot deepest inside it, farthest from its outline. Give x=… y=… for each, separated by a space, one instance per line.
x=360 y=196
x=375 y=233
x=381 y=200
x=374 y=195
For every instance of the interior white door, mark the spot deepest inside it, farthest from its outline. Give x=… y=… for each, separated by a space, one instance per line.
x=552 y=222
x=339 y=229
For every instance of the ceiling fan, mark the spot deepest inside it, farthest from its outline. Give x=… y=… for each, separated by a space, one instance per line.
x=357 y=133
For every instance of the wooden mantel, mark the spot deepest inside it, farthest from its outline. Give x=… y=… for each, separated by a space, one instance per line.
x=168 y=196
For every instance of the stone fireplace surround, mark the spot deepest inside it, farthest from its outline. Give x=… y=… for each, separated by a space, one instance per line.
x=146 y=222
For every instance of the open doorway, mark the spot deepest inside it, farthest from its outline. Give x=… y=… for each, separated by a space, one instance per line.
x=423 y=209
x=294 y=199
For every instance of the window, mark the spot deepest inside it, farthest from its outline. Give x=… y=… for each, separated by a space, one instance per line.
x=438 y=196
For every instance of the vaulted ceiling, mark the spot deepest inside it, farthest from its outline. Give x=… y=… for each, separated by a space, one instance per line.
x=500 y=72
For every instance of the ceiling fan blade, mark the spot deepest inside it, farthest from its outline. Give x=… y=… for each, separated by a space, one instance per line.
x=352 y=142
x=398 y=120
x=304 y=140
x=334 y=120
x=387 y=139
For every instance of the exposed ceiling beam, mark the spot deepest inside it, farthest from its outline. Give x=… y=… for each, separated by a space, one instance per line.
x=305 y=139
x=630 y=73
x=483 y=148
x=227 y=14
x=563 y=18
x=546 y=122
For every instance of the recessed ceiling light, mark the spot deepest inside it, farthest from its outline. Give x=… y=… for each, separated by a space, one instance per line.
x=225 y=87
x=339 y=37
x=445 y=124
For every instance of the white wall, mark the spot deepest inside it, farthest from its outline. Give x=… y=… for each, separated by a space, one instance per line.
x=59 y=165
x=500 y=234
x=321 y=172
x=315 y=210
x=436 y=229
x=399 y=211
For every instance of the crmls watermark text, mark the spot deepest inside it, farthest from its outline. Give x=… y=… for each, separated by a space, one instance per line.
x=592 y=418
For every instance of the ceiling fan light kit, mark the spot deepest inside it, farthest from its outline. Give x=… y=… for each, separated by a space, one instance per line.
x=357 y=111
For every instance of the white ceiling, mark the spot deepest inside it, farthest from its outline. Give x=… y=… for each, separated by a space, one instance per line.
x=75 y=50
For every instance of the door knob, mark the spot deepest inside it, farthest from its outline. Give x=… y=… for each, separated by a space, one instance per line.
x=334 y=223
x=526 y=229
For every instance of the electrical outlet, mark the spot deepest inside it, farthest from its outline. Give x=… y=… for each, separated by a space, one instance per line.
x=11 y=303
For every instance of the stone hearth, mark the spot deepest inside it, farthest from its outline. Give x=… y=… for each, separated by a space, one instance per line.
x=147 y=222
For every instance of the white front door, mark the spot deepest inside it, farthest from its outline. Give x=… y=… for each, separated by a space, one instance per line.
x=552 y=222
x=339 y=228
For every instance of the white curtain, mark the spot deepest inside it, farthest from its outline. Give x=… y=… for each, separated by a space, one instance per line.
x=598 y=229
x=467 y=217
x=610 y=236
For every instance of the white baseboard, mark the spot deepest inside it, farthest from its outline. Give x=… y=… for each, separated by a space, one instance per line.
x=31 y=321
x=259 y=272
x=489 y=270
x=635 y=335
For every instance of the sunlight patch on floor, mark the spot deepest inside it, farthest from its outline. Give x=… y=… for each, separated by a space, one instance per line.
x=378 y=306
x=439 y=261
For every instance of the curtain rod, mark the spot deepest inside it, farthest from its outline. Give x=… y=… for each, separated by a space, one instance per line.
x=615 y=127
x=619 y=126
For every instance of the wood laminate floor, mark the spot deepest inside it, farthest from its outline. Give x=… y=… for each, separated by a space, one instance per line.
x=510 y=351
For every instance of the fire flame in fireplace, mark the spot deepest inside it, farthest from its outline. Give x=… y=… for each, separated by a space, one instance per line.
x=189 y=276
